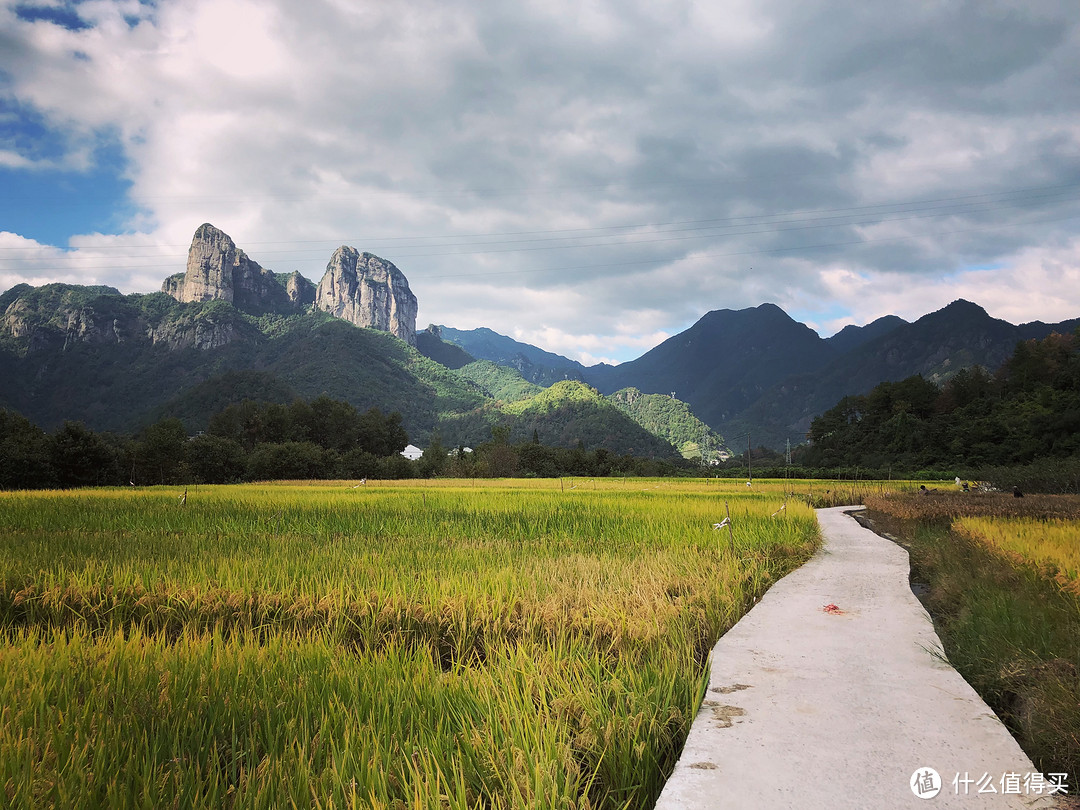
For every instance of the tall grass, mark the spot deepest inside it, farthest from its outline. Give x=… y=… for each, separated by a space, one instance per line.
x=435 y=644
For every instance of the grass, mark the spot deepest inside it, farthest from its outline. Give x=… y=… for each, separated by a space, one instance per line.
x=998 y=575
x=432 y=644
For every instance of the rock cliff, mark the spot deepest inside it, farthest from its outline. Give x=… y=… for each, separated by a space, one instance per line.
x=368 y=291
x=358 y=287
x=217 y=270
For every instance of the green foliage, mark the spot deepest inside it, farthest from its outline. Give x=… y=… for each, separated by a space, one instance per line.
x=670 y=419
x=81 y=457
x=159 y=454
x=1029 y=410
x=329 y=424
x=26 y=457
x=571 y=413
x=194 y=406
x=321 y=439
x=215 y=459
x=499 y=382
x=289 y=461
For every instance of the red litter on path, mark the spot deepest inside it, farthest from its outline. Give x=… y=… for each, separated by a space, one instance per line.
x=831 y=608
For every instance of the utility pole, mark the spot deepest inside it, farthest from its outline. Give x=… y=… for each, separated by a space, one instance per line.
x=787 y=456
x=749 y=469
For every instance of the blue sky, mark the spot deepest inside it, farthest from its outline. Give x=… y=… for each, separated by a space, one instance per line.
x=590 y=178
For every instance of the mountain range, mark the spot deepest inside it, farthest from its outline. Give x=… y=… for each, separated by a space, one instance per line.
x=757 y=371
x=227 y=329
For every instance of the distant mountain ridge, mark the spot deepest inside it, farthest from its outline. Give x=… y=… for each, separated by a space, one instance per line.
x=757 y=371
x=534 y=364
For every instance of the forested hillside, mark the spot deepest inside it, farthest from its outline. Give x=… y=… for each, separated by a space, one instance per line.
x=671 y=419
x=1029 y=409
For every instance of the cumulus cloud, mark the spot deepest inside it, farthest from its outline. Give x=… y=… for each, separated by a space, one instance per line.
x=595 y=176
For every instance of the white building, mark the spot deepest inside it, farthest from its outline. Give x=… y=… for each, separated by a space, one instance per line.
x=412 y=452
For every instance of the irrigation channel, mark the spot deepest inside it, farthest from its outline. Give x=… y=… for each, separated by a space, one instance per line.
x=834 y=692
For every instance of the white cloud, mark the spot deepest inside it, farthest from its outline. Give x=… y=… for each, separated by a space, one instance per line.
x=435 y=134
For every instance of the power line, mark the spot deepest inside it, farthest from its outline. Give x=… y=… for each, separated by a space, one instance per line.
x=653 y=261
x=764 y=223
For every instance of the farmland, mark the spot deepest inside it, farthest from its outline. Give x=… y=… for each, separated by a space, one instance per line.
x=435 y=644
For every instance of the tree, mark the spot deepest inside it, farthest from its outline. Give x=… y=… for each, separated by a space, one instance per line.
x=25 y=457
x=289 y=460
x=381 y=435
x=160 y=453
x=434 y=459
x=216 y=460
x=81 y=457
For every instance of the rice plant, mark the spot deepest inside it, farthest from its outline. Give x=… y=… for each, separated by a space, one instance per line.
x=1050 y=545
x=430 y=644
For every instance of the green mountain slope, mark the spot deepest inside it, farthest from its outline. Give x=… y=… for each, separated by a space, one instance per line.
x=119 y=363
x=571 y=412
x=499 y=382
x=670 y=419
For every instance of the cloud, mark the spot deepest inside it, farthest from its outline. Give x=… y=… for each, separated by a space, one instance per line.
x=579 y=173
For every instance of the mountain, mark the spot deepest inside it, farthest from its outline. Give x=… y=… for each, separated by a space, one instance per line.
x=671 y=419
x=571 y=412
x=227 y=329
x=369 y=292
x=851 y=336
x=535 y=365
x=722 y=363
x=217 y=270
x=936 y=346
x=430 y=344
x=757 y=371
x=501 y=383
x=357 y=287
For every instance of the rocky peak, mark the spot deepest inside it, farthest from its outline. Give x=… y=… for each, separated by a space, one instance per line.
x=212 y=258
x=358 y=287
x=217 y=270
x=300 y=290
x=368 y=291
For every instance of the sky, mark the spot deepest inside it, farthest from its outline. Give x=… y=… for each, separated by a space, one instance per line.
x=588 y=177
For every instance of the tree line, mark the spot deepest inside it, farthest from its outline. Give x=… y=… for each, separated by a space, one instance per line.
x=249 y=441
x=1026 y=412
x=257 y=441
x=500 y=458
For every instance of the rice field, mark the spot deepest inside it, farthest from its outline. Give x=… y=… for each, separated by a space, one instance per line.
x=444 y=644
x=1052 y=546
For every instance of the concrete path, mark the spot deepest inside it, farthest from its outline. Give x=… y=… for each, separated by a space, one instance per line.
x=809 y=708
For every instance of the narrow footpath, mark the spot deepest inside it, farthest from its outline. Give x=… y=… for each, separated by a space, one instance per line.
x=834 y=692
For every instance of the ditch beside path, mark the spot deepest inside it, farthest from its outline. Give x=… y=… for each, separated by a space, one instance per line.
x=833 y=691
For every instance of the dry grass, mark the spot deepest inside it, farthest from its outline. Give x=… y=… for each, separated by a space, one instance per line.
x=948 y=503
